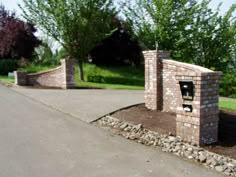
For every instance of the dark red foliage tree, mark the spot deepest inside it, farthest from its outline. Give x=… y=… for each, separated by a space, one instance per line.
x=17 y=39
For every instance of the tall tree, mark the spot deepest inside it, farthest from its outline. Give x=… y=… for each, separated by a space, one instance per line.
x=160 y=22
x=77 y=25
x=17 y=37
x=210 y=38
x=190 y=29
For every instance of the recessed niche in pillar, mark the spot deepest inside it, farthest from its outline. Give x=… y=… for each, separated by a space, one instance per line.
x=187 y=108
x=186 y=88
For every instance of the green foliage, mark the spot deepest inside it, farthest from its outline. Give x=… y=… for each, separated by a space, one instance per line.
x=46 y=57
x=107 y=86
x=7 y=65
x=36 y=68
x=8 y=80
x=61 y=54
x=210 y=38
x=228 y=85
x=108 y=77
x=77 y=25
x=190 y=29
x=160 y=21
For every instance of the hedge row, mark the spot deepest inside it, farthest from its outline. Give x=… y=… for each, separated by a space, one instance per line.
x=7 y=65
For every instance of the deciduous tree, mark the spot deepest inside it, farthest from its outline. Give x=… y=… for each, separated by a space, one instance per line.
x=78 y=25
x=188 y=28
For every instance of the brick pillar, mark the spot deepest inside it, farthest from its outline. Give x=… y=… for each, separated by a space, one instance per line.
x=201 y=125
x=209 y=110
x=68 y=67
x=20 y=78
x=153 y=78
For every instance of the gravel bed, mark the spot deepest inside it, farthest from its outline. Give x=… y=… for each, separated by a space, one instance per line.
x=168 y=143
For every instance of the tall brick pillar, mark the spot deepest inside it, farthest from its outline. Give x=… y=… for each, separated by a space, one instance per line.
x=68 y=66
x=201 y=125
x=20 y=78
x=153 y=78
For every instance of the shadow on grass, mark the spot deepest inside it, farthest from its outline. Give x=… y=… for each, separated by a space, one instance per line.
x=115 y=80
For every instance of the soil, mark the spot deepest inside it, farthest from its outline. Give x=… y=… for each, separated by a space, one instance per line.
x=139 y=114
x=165 y=123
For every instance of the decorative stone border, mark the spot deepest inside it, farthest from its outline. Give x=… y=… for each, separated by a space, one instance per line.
x=175 y=145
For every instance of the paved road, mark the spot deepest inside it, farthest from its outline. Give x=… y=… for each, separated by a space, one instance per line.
x=87 y=105
x=40 y=141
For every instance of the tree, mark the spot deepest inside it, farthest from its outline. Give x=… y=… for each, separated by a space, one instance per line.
x=160 y=21
x=17 y=37
x=5 y=16
x=210 y=38
x=77 y=25
x=46 y=53
x=119 y=48
x=189 y=29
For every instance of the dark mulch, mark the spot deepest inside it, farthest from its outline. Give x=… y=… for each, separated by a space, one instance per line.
x=165 y=123
x=227 y=135
x=161 y=122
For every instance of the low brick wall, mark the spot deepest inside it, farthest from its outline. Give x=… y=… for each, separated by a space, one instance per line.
x=60 y=77
x=163 y=93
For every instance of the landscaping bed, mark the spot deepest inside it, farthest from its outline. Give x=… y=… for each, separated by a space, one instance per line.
x=154 y=128
x=165 y=123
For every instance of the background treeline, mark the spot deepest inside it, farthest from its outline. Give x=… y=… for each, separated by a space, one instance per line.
x=107 y=34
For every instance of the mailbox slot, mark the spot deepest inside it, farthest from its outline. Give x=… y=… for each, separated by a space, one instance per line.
x=186 y=88
x=187 y=108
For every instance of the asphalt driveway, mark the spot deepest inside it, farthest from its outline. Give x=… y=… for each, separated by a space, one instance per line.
x=38 y=140
x=87 y=105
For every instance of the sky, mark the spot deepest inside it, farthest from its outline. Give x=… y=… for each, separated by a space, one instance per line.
x=12 y=5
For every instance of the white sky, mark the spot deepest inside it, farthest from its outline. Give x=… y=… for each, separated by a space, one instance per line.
x=12 y=5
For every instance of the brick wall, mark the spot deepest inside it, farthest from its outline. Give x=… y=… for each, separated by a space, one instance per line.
x=60 y=77
x=163 y=93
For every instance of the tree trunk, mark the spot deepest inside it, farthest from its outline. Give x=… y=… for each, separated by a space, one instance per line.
x=81 y=71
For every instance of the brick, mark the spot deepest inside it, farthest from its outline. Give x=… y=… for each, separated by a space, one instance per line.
x=61 y=77
x=162 y=78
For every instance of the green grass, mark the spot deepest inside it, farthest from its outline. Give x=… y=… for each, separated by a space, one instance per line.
x=228 y=105
x=123 y=77
x=36 y=68
x=107 y=86
x=7 y=79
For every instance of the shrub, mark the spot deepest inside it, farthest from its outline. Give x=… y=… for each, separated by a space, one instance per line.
x=228 y=85
x=7 y=65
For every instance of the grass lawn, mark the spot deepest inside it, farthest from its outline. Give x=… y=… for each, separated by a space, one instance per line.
x=131 y=78
x=124 y=77
x=108 y=86
x=7 y=79
x=36 y=68
x=228 y=104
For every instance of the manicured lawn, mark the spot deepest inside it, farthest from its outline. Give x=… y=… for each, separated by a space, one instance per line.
x=108 y=86
x=7 y=79
x=123 y=77
x=36 y=68
x=228 y=105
